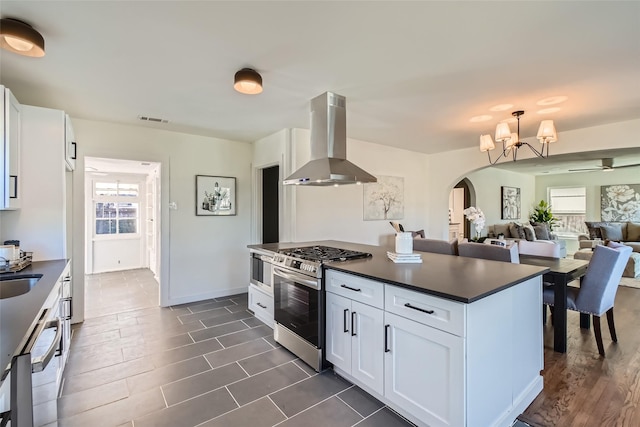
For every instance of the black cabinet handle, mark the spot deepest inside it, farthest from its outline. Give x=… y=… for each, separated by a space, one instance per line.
x=69 y=310
x=75 y=150
x=15 y=186
x=346 y=311
x=353 y=322
x=260 y=305
x=419 y=309
x=386 y=338
x=350 y=288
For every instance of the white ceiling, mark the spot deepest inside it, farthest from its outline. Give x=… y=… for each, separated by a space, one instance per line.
x=413 y=73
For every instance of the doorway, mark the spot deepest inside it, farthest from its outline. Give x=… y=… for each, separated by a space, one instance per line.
x=270 y=204
x=461 y=197
x=122 y=221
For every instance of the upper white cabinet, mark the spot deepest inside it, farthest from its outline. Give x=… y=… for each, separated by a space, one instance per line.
x=70 y=146
x=10 y=128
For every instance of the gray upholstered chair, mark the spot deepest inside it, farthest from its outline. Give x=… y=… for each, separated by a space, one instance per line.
x=436 y=246
x=598 y=287
x=492 y=252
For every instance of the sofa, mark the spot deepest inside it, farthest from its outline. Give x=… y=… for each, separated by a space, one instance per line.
x=625 y=232
x=537 y=234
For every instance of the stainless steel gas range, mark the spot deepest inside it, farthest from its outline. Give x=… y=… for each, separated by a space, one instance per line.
x=299 y=298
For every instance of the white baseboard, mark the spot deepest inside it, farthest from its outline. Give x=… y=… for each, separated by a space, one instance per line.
x=209 y=295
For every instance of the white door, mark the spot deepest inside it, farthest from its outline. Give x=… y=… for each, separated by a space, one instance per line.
x=367 y=345
x=338 y=331
x=424 y=371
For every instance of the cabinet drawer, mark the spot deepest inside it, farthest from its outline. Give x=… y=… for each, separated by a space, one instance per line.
x=448 y=316
x=261 y=304
x=356 y=288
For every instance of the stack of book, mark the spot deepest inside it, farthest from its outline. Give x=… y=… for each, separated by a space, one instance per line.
x=404 y=258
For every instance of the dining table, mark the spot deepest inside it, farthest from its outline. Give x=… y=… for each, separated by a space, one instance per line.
x=562 y=271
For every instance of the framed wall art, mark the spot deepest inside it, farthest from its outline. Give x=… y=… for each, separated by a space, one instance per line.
x=620 y=202
x=510 y=202
x=215 y=195
x=384 y=199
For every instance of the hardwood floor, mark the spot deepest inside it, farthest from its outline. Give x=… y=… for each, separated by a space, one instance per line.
x=583 y=389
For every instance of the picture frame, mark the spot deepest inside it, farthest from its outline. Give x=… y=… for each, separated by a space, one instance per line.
x=215 y=195
x=511 y=202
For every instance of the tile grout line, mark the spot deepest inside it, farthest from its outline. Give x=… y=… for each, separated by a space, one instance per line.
x=306 y=409
x=352 y=408
x=274 y=404
x=370 y=415
x=243 y=370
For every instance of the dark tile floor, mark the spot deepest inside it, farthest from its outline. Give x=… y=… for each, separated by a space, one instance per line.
x=209 y=363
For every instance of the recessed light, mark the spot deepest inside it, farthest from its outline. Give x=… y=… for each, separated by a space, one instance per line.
x=501 y=107
x=482 y=118
x=549 y=110
x=552 y=100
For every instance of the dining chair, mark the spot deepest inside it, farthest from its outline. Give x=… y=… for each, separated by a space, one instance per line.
x=598 y=287
x=436 y=246
x=492 y=252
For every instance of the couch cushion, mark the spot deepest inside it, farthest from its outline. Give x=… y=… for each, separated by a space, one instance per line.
x=635 y=246
x=502 y=228
x=612 y=232
x=541 y=231
x=633 y=232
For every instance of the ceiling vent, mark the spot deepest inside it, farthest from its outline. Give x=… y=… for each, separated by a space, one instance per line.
x=152 y=119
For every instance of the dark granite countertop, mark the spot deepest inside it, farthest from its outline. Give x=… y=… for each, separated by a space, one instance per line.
x=447 y=276
x=19 y=314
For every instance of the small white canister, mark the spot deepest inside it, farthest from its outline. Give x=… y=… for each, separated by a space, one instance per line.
x=404 y=243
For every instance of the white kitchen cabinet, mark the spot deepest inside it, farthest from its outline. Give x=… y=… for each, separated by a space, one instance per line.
x=355 y=340
x=424 y=371
x=70 y=145
x=41 y=222
x=261 y=303
x=444 y=363
x=11 y=188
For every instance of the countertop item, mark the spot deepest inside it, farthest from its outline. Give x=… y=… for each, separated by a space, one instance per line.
x=446 y=276
x=19 y=314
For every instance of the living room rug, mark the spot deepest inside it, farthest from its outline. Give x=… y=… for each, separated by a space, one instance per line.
x=630 y=282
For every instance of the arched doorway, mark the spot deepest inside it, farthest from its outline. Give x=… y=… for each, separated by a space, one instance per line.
x=462 y=196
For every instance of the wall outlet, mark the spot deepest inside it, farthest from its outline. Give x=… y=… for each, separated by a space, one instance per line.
x=173 y=206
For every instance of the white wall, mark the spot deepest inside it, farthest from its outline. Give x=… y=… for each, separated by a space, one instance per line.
x=592 y=181
x=202 y=256
x=487 y=184
x=336 y=213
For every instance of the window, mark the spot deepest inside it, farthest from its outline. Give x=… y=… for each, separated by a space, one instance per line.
x=569 y=206
x=117 y=208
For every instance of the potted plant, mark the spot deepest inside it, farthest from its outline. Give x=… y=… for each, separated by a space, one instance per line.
x=542 y=214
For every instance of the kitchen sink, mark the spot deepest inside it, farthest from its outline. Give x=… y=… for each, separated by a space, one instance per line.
x=13 y=286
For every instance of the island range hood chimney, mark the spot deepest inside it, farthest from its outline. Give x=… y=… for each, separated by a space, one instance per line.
x=329 y=164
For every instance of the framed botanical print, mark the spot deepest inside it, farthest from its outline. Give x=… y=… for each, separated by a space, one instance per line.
x=215 y=195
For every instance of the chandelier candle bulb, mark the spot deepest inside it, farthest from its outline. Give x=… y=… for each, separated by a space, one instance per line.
x=404 y=243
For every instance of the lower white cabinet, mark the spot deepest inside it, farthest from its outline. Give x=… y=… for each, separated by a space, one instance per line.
x=436 y=361
x=424 y=371
x=261 y=303
x=355 y=340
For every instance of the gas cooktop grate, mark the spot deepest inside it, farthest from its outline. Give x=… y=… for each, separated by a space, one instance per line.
x=323 y=253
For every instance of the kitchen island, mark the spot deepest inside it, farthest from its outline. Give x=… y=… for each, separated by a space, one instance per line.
x=451 y=341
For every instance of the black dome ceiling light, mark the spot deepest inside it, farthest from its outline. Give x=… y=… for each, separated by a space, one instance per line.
x=21 y=38
x=248 y=81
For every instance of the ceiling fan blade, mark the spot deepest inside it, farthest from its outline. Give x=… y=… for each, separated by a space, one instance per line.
x=626 y=166
x=586 y=169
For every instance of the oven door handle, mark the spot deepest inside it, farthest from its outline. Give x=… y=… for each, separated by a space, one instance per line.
x=40 y=363
x=296 y=278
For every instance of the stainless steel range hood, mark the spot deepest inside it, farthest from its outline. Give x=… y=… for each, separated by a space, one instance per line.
x=329 y=164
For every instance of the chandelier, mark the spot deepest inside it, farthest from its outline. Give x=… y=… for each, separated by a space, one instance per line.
x=511 y=141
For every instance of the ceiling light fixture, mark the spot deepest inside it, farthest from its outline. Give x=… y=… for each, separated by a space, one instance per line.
x=248 y=81
x=21 y=38
x=511 y=141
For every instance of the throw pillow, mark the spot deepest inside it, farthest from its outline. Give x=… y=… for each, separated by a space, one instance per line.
x=541 y=231
x=502 y=228
x=419 y=233
x=633 y=232
x=611 y=232
x=615 y=245
x=594 y=229
x=529 y=232
x=519 y=231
